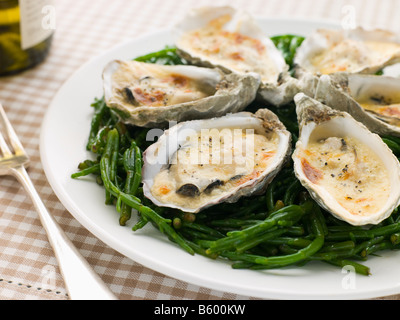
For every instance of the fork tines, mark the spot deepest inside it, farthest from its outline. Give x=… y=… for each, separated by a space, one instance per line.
x=8 y=137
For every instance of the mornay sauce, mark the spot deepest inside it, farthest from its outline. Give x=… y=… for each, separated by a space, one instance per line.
x=349 y=171
x=388 y=107
x=212 y=163
x=351 y=56
x=232 y=49
x=141 y=84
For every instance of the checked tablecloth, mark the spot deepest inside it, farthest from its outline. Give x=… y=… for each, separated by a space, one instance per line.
x=85 y=29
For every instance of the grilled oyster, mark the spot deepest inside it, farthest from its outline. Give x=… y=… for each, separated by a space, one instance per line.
x=372 y=100
x=229 y=39
x=149 y=95
x=353 y=51
x=197 y=164
x=347 y=169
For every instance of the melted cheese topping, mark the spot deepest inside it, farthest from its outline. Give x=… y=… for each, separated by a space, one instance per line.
x=350 y=172
x=233 y=50
x=142 y=84
x=352 y=56
x=389 y=108
x=391 y=111
x=212 y=163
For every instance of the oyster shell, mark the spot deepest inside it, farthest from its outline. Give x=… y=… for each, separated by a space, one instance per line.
x=348 y=170
x=197 y=164
x=150 y=95
x=354 y=51
x=231 y=40
x=370 y=99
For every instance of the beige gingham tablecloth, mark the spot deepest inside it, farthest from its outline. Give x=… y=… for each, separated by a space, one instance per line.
x=85 y=29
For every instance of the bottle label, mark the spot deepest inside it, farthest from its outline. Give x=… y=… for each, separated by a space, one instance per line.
x=37 y=21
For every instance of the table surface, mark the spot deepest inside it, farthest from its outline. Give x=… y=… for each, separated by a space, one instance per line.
x=85 y=29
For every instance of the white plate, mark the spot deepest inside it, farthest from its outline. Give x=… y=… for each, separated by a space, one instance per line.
x=63 y=138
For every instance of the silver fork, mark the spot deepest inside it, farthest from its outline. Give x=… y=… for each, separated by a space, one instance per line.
x=81 y=281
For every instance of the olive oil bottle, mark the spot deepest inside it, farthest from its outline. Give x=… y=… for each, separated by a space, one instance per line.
x=26 y=32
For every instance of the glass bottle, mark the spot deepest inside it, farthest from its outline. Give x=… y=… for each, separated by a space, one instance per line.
x=26 y=32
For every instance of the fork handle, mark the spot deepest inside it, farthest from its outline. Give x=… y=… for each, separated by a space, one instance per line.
x=81 y=281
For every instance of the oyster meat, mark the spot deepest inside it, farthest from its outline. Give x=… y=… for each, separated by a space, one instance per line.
x=370 y=99
x=197 y=164
x=355 y=51
x=149 y=95
x=349 y=171
x=230 y=39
